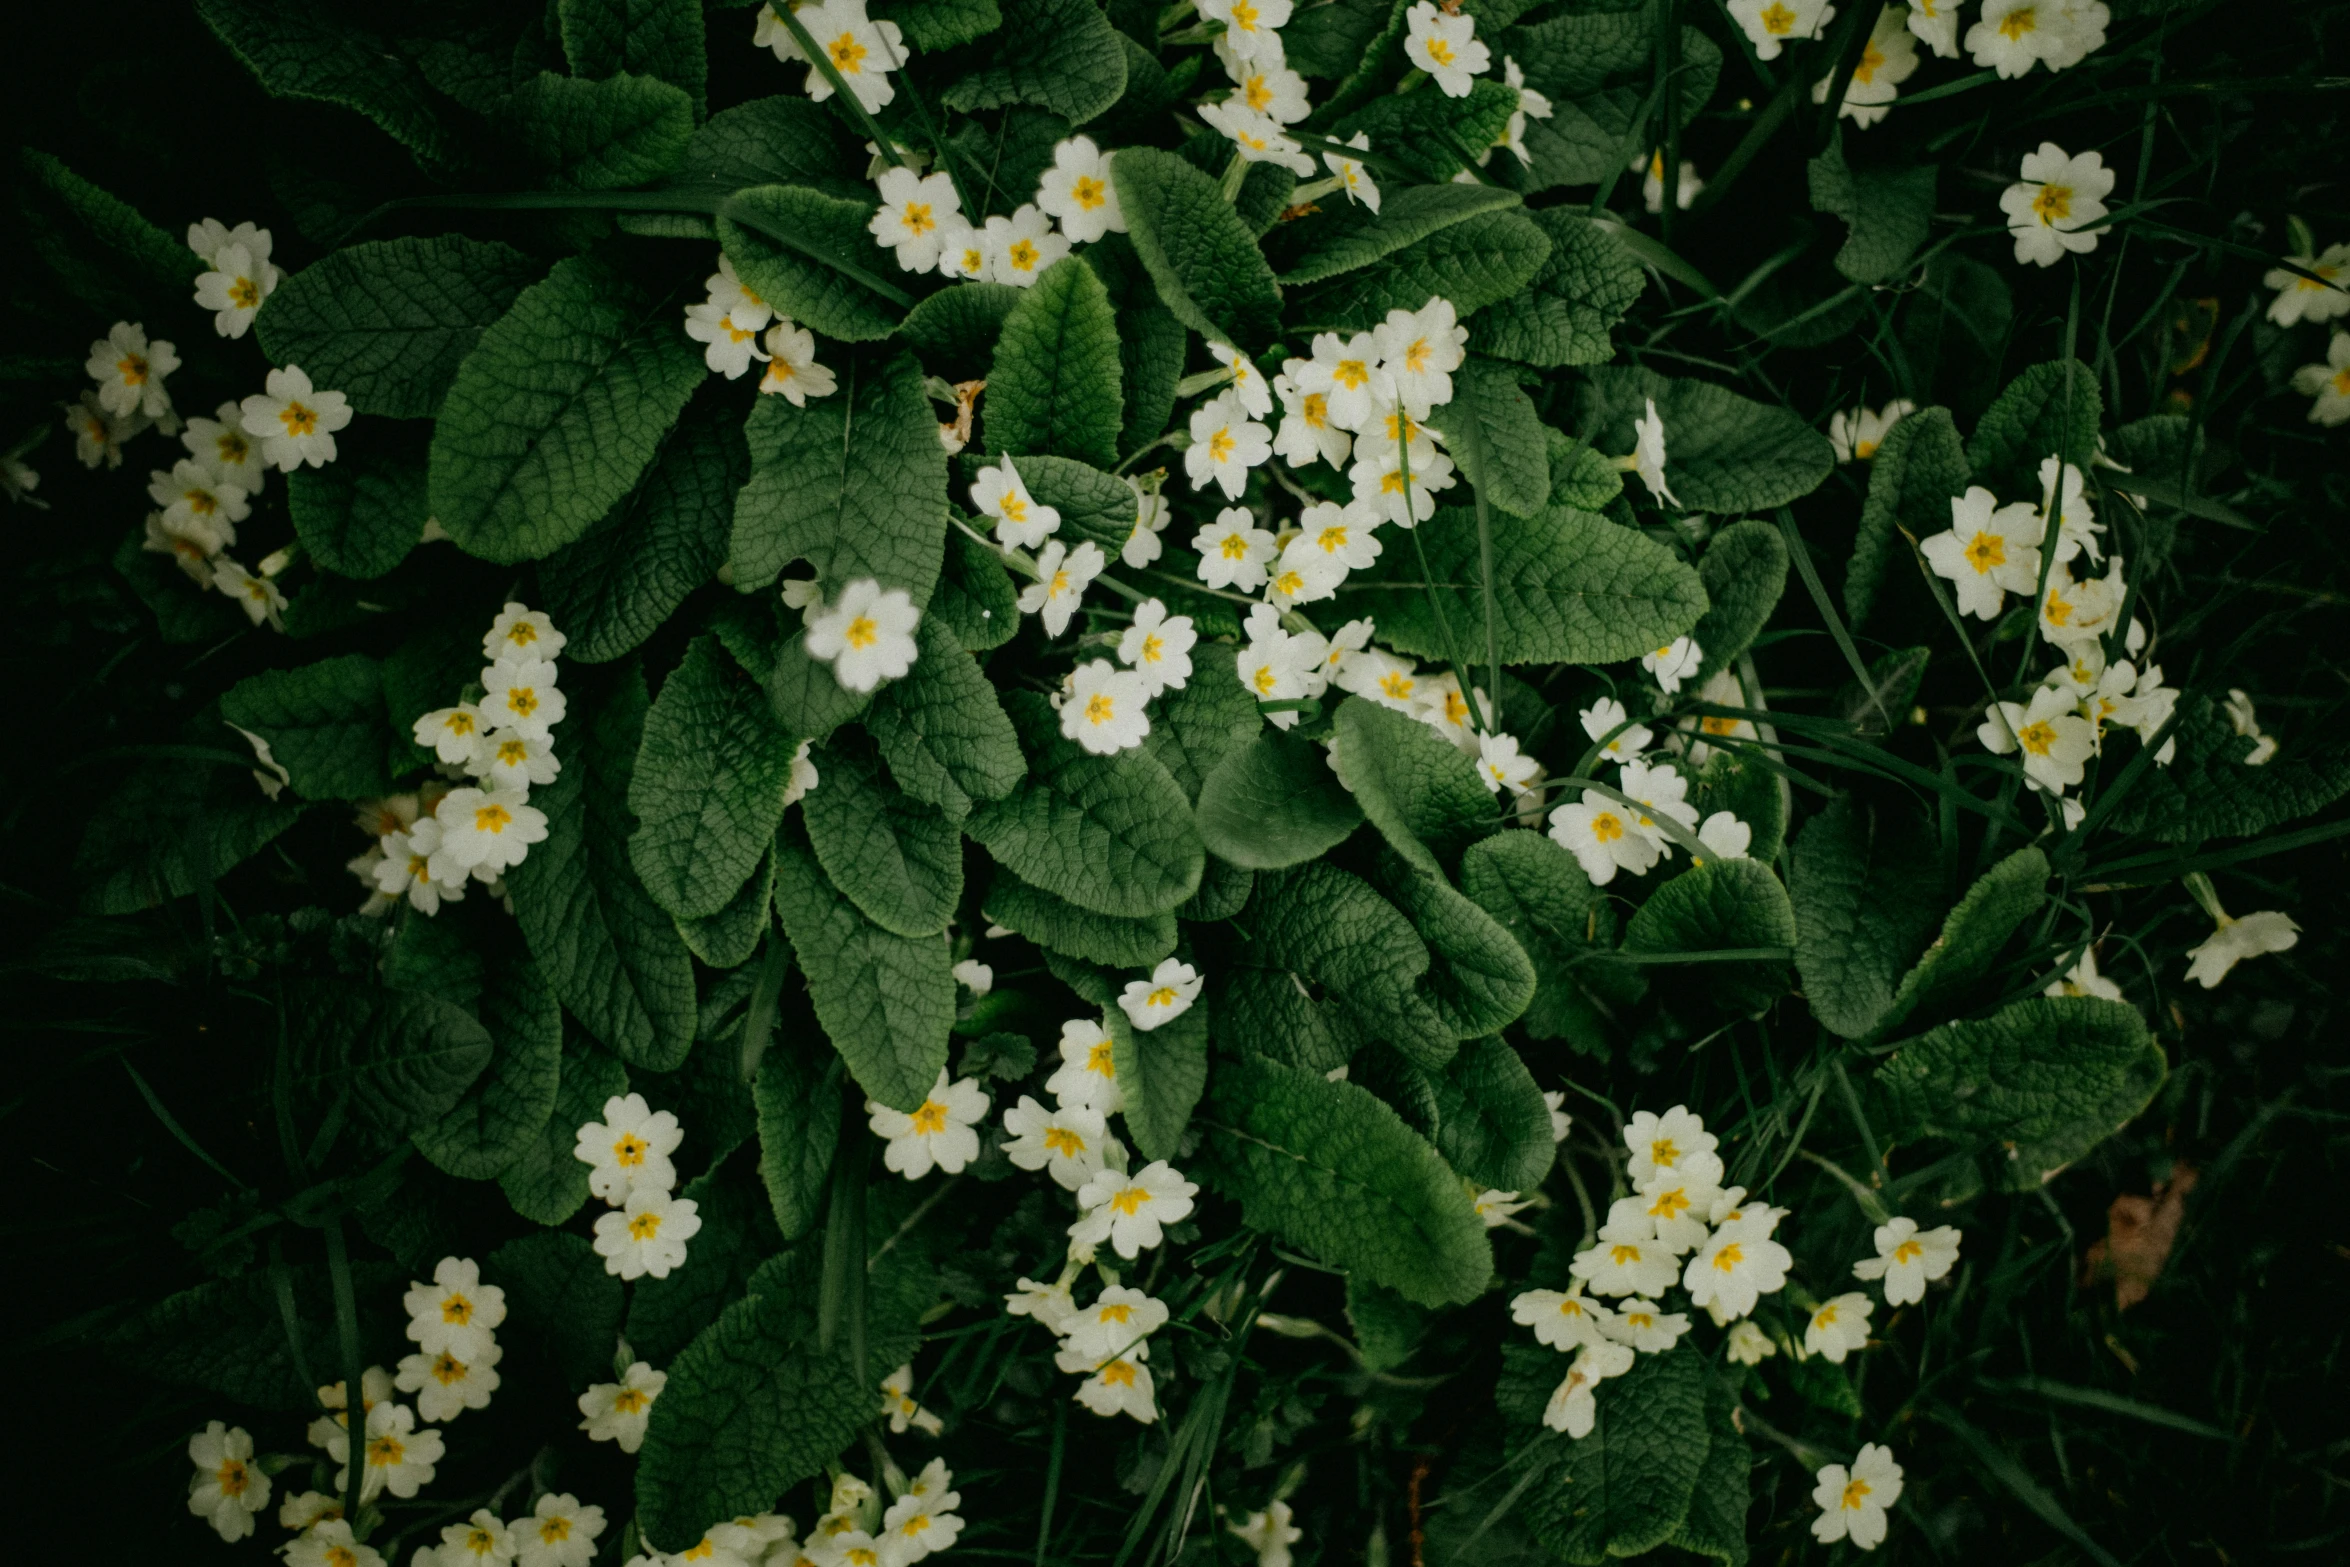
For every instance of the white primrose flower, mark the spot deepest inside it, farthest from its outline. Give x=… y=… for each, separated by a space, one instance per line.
x=375 y=1386
x=2056 y=742
x=867 y=636
x=1725 y=838
x=1572 y=1407
x=2301 y=298
x=916 y=1526
x=863 y=51
x=939 y=1131
x=2077 y=527
x=481 y=1541
x=1020 y=247
x=1258 y=137
x=522 y=696
x=1378 y=480
x=1022 y=522
x=1735 y=1269
x=456 y=1311
x=1889 y=58
x=560 y=1532
x=295 y=421
x=1270 y=1534
x=1048 y=1304
x=1234 y=551
x=648 y=1234
x=1077 y=192
x=962 y=252
x=730 y=294
x=1062 y=576
x=225 y=450
x=1115 y=1387
x=2014 y=33
x=2082 y=979
x=1647 y=1327
x=1446 y=46
x=1497 y=1208
x=1130 y=1211
x=1252 y=28
x=974 y=976
x=1660 y=790
x=1628 y=1259
x=228 y=1487
x=395 y=1456
x=129 y=371
x=729 y=345
x=629 y=1149
x=770 y=33
x=447 y=1384
x=1908 y=1259
x=897 y=1402
x=792 y=371
x=1420 y=349
x=1564 y=1321
x=1772 y=24
x=803 y=775
x=306 y=1510
x=1349 y=375
x=1377 y=675
x=1104 y=711
x=484 y=833
x=197 y=504
x=1113 y=1325
x=1651 y=170
x=2237 y=939
x=1304 y=574
x=1256 y=398
x=520 y=634
x=1500 y=765
x=2328 y=383
x=1852 y=1502
x=1838 y=1327
x=1173 y=986
x=618 y=1411
x=913 y=215
x=1560 y=1122
x=1225 y=445
x=1266 y=85
x=1990 y=551
x=1157 y=646
x=1151 y=515
x=1666 y=1144
x=1675 y=1202
x=209 y=237
x=1676 y=661
x=236 y=284
x=2057 y=197
x=512 y=762
x=844 y=1546
x=1307 y=431
x=451 y=733
x=1857 y=435
x=1353 y=178
x=1748 y=1345
x=1066 y=1142
x=2244 y=718
x=329 y=1544
x=1088 y=1074
x=1600 y=835
x=258 y=597
x=1531 y=106
x=1605 y=716
x=1346 y=535
x=1935 y=24
x=1648 y=454
x=97 y=434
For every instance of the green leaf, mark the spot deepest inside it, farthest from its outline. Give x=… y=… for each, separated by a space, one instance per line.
x=1416 y=787
x=1061 y=54
x=507 y=1107
x=783 y=140
x=1194 y=729
x=1061 y=926
x=101 y=250
x=1202 y=257
x=1475 y=263
x=946 y=738
x=2208 y=792
x=1597 y=70
x=1723 y=453
x=1055 y=385
x=1564 y=314
x=708 y=786
x=1492 y=1124
x=324 y=723
x=1430 y=134
x=546 y=1183
x=855 y=484
x=898 y=860
x=2045 y=1081
x=2030 y=421
x=1329 y=1168
x=1329 y=41
x=611 y=953
x=559 y=1299
x=975 y=605
x=398 y=1059
x=164 y=833
x=729 y=938
x=812 y=257
x=1274 y=802
x=557 y=410
x=1223 y=892
x=361 y=514
x=1503 y=448
x=664 y=1315
x=1479 y=979
x=1715 y=1525
x=1331 y=965
x=1744 y=785
x=1866 y=893
x=940 y=24
x=885 y=1001
x=1744 y=572
x=1918 y=470
x=1161 y=1072
x=599 y=135
x=956 y=329
x=1623 y=1489
x=1113 y=834
x=226 y=1336
x=1093 y=504
x=798 y=1095
x=658 y=38
x=299 y=51
x=1889 y=211
x=1151 y=345
x=1568 y=588
x=387 y=323
x=619 y=583
x=1718 y=906
x=1535 y=891
x=1349 y=237
x=2007 y=895
x=1580 y=478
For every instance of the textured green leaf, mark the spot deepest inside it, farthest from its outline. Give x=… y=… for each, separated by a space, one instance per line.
x=1055 y=386
x=300 y=51
x=1623 y=1489
x=944 y=735
x=1597 y=70
x=1202 y=257
x=557 y=410
x=783 y=140
x=1061 y=926
x=940 y=24
x=708 y=786
x=1113 y=834
x=1330 y=964
x=798 y=1095
x=1416 y=787
x=1564 y=314
x=599 y=135
x=1503 y=449
x=1536 y=892
x=324 y=723
x=898 y=860
x=2008 y=894
x=885 y=1001
x=1331 y=1169
x=855 y=484
x=2045 y=1080
x=1580 y=478
x=1568 y=588
x=812 y=257
x=388 y=322
x=546 y=1183
x=2208 y=792
x=1193 y=730
x=1151 y=344
x=1224 y=890
x=1329 y=41
x=560 y=1300
x=611 y=953
x=731 y=937
x=1744 y=572
x=659 y=38
x=361 y=514
x=1433 y=134
x=665 y=1315
x=1718 y=906
x=2030 y=421
x=101 y=250
x=1093 y=504
x=1715 y=1525
x=1060 y=54
x=1479 y=979
x=1866 y=898
x=1161 y=1072
x=616 y=586
x=507 y=1107
x=1274 y=802
x=1475 y=263
x=1348 y=237
x=1492 y=1124
x=1723 y=453
x=956 y=329
x=975 y=604
x=399 y=1060
x=226 y=1336
x=1890 y=212
x=1916 y=473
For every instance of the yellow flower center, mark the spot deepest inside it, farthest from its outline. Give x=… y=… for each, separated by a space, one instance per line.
x=914 y=1525
x=1332 y=539
x=917 y=218
x=862 y=632
x=341 y=1556
x=1670 y=1204
x=459 y=723
x=1015 y=508
x=848 y=55
x=1090 y=192
x=244 y=294
x=1118 y=1314
x=1153 y=650
x=1907 y=1252
x=1257 y=93
x=1607 y=827
x=448 y=1370
x=1289 y=584
x=1244 y=17
x=1729 y=1257
x=1715 y=724
x=1871 y=57
x=231 y=1477
x=522 y=699
x=200 y=502
x=1440 y=51
x=132 y=369
x=1022 y=255
x=630 y=1401
x=1664 y=1153
x=2052 y=202
x=457 y=1309
x=1778 y=21
x=1059 y=586
x=2341 y=382
x=1164 y=996
x=1864 y=450
x=1314 y=409
x=1099 y=709
x=1129 y=1202
x=232 y=448
x=1397 y=685
x=1825 y=1317
x=630 y=1150
x=2058 y=610
x=513 y=753
x=1853 y=1494
x=554 y=1530
x=931 y=1119
x=1060 y=1140
x=643 y=1226
x=1351 y=373
x=1985 y=551
x=492 y=818
x=386 y=1452
x=1234 y=547
x=1622 y=1255
x=298 y=419
x=1098 y=1060
x=1221 y=445
x=1118 y=1373
x=2023 y=19
x=1415 y=359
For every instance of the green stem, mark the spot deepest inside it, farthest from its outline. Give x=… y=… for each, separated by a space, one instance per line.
x=338 y=1263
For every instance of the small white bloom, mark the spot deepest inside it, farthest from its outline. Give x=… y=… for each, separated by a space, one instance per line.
x=395 y=1456
x=1531 y=106
x=1500 y=766
x=729 y=345
x=863 y=51
x=939 y=1132
x=1066 y=1142
x=2015 y=33
x=197 y=504
x=1151 y=514
x=520 y=634
x=730 y=294
x=1234 y=551
x=1725 y=837
x=648 y=1235
x=234 y=288
x=1021 y=521
x=129 y=371
x=1661 y=1143
x=1652 y=182
x=2082 y=979
x=1048 y=1304
x=1605 y=716
x=1173 y=986
x=917 y=1525
x=510 y=761
x=481 y=1541
x=1020 y=247
x=1908 y=1259
x=1419 y=349
x=1572 y=1407
x=1088 y=1073
x=1599 y=833
x=962 y=253
x=1935 y=24
x=913 y=215
x=1857 y=435
x=2056 y=742
x=1105 y=709
x=1258 y=138
x=629 y=1149
x=1749 y=1345
x=1497 y=1208
x=618 y=1411
x=1852 y=1502
x=97 y=434
x=1626 y=1259
x=1225 y=445
x=2058 y=196
x=1734 y=1269
x=1379 y=484
x=974 y=976
x=307 y=1509
x=522 y=696
x=1130 y=1211
x=2237 y=939
x=1772 y=24
x=1838 y=1327
x=447 y=1384
x=803 y=775
x=1307 y=430
x=1252 y=28
x=224 y=448
x=1889 y=58
x=2244 y=718
x=1564 y=1321
x=451 y=733
x=1077 y=191
x=1062 y=576
x=1648 y=454
x=1990 y=551
x=1113 y=1325
x=1646 y=1326
x=867 y=636
x=560 y=1532
x=1157 y=646
x=329 y=1544
x=295 y=421
x=792 y=370
x=1270 y=1534
x=228 y=1487
x=1379 y=676
x=2302 y=298
x=1304 y=574
x=1560 y=1122
x=897 y=1402
x=1676 y=661
x=2328 y=383
x=484 y=833
x=1256 y=398
x=456 y=1311
x=1117 y=1387
x=1355 y=179
x=1266 y=84
x=1350 y=376
x=258 y=597
x=1446 y=46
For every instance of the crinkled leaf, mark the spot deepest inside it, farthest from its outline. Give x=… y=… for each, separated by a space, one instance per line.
x=324 y=723
x=1416 y=787
x=1723 y=453
x=1474 y=263
x=1479 y=979
x=2030 y=421
x=1161 y=1072
x=975 y=603
x=1890 y=212
x=546 y=1183
x=300 y=51
x=1919 y=468
x=898 y=860
x=1055 y=385
x=1567 y=308
x=1536 y=892
x=1223 y=892
x=709 y=784
x=783 y=140
x=729 y=938
x=560 y=1300
x=1061 y=926
x=506 y=1109
x=1597 y=70
x=956 y=329
x=812 y=257
x=1202 y=257
x=1195 y=729
x=1866 y=901
x=599 y=135
x=1722 y=905
x=396 y=1060
x=1492 y=1124
x=101 y=250
x=940 y=24
x=1503 y=449
x=2008 y=894
x=1274 y=802
x=1350 y=236
x=1060 y=54
x=946 y=738
x=2208 y=791
x=226 y=1336
x=1093 y=505
x=1744 y=572
x=658 y=38
x=1624 y=1488
x=361 y=514
x=1432 y=134
x=1150 y=350
x=664 y=1315
x=1330 y=964
x=798 y=1095
x=1580 y=478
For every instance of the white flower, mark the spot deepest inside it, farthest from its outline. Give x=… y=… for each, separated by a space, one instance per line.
x=295 y=422
x=520 y=634
x=803 y=775
x=1500 y=766
x=792 y=369
x=395 y=1457
x=1648 y=454
x=1307 y=431
x=1066 y=1142
x=1062 y=576
x=375 y=1385
x=1347 y=535
x=1531 y=106
x=915 y=1526
x=1233 y=550
x=2238 y=939
x=1908 y=1259
x=939 y=1132
x=844 y=1546
x=510 y=761
x=481 y=1541
x=456 y=1311
x=2302 y=298
x=1259 y=138
x=1151 y=514
x=1660 y=1144
x=1725 y=838
x=1350 y=377
x=1749 y=1345
x=1497 y=1208
x=1225 y=445
x=1446 y=47
x=129 y=371
x=1852 y=1502
x=913 y=215
x=522 y=696
x=1117 y=1387
x=1256 y=399
x=1990 y=551
x=2077 y=527
x=2329 y=383
x=1270 y=1534
x=2056 y=741
x=1157 y=646
x=2244 y=718
x=1646 y=1326
x=559 y=1532
x=1674 y=1202
x=1048 y=1304
x=648 y=1234
x=97 y=434
x=1888 y=59
x=1379 y=676
x=1021 y=521
x=198 y=505
x=962 y=253
x=228 y=1487
x=867 y=636
x=629 y=1149
x=974 y=976
x=1676 y=661
x=329 y=1544
x=1857 y=435
x=1563 y=1321
x=864 y=52
x=1606 y=715
x=1129 y=1211
x=1734 y=1269
x=1599 y=833
x=1572 y=1407
x=730 y=344
x=1273 y=669
x=1935 y=23
x=2058 y=196
x=224 y=448
x=1252 y=28
x=1021 y=246
x=258 y=597
x=1077 y=191
x=306 y=1510
x=730 y=294
x=1165 y=996
x=897 y=1402
x=234 y=288
x=1660 y=790
x=1419 y=349
x=1353 y=178
x=1266 y=85
x=1626 y=1260
x=618 y=1411
x=1838 y=1327
x=1088 y=1073
x=1304 y=574
x=448 y=1384
x=1560 y=1122
x=2014 y=33
x=1113 y=1325
x=1104 y=711
x=1652 y=182
x=2082 y=979
x=1378 y=481
x=1771 y=24
x=451 y=733
x=484 y=833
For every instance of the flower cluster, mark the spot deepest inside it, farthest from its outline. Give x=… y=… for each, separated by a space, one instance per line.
x=729 y=323
x=1625 y=828
x=2311 y=287
x=854 y=1531
x=859 y=50
x=921 y=219
x=560 y=1531
x=627 y=1155
x=452 y=1321
x=1106 y=1342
